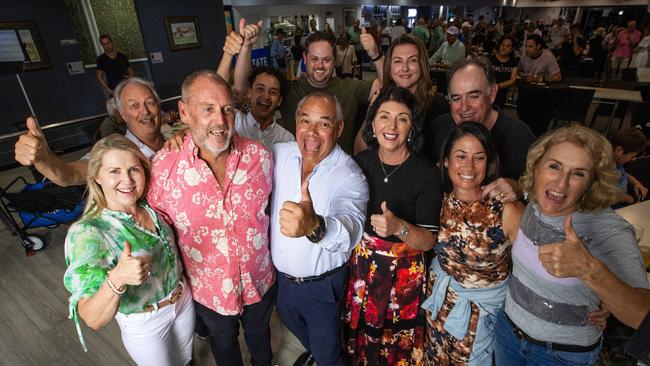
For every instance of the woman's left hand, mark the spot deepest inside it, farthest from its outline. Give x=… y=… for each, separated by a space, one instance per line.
x=599 y=317
x=501 y=189
x=386 y=223
x=569 y=258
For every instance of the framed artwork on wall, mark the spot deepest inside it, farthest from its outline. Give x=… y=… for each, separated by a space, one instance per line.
x=23 y=37
x=183 y=32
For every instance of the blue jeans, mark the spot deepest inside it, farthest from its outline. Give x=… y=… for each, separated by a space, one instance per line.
x=512 y=351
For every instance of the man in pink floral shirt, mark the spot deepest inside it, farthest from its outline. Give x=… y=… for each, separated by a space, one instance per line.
x=215 y=191
x=626 y=41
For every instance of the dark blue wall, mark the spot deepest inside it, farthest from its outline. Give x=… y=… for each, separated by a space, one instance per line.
x=169 y=75
x=54 y=94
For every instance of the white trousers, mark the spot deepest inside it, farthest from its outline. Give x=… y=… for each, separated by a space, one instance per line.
x=162 y=337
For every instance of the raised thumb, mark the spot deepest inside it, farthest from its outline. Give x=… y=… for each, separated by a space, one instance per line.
x=569 y=233
x=126 y=252
x=260 y=23
x=363 y=30
x=33 y=127
x=304 y=189
x=242 y=24
x=384 y=208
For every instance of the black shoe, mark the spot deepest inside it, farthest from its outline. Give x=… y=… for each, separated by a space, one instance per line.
x=305 y=359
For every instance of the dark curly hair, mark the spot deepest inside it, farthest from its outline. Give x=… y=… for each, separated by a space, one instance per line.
x=402 y=96
x=273 y=71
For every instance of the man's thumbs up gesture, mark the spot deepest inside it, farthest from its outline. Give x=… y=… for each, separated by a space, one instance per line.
x=368 y=43
x=31 y=146
x=298 y=218
x=569 y=258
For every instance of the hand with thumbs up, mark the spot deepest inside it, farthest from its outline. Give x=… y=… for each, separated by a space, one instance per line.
x=31 y=146
x=130 y=270
x=569 y=258
x=298 y=218
x=386 y=223
x=250 y=32
x=368 y=43
x=234 y=40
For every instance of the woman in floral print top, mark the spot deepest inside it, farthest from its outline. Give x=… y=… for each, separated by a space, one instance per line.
x=123 y=263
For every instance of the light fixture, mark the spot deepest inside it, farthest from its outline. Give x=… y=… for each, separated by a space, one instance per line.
x=620 y=12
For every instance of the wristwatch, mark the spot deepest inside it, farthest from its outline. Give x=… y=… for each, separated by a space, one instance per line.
x=319 y=232
x=404 y=231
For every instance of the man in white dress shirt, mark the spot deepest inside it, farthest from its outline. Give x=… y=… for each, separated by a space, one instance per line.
x=318 y=209
x=267 y=87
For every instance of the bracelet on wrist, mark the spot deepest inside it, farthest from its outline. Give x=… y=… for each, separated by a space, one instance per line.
x=377 y=58
x=111 y=285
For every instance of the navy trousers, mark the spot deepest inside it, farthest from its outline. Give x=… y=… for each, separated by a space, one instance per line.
x=312 y=312
x=224 y=331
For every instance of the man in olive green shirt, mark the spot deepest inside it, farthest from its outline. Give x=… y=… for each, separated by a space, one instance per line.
x=421 y=32
x=320 y=60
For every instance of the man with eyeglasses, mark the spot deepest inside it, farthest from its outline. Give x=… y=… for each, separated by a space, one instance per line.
x=138 y=104
x=471 y=92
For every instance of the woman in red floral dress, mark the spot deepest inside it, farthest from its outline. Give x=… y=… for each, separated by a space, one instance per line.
x=382 y=316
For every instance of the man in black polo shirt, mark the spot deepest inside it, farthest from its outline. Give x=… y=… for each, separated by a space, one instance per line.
x=472 y=90
x=111 y=64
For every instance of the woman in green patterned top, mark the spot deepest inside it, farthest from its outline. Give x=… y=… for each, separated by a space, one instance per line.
x=123 y=263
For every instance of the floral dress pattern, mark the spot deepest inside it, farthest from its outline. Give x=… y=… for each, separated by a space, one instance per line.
x=383 y=316
x=473 y=249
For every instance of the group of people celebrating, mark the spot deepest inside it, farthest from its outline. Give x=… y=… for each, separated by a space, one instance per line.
x=452 y=237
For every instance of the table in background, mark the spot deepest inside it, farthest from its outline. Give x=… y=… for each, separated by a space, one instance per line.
x=638 y=214
x=617 y=95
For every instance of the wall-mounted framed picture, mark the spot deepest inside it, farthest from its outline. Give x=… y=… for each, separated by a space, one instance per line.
x=23 y=37
x=183 y=32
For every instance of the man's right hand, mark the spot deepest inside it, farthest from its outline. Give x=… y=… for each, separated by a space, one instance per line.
x=31 y=146
x=251 y=32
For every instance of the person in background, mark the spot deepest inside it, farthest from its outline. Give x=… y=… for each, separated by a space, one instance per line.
x=278 y=54
x=538 y=64
x=112 y=66
x=625 y=42
x=355 y=40
x=451 y=51
x=505 y=66
x=559 y=35
x=640 y=54
x=572 y=50
x=398 y=29
x=627 y=144
x=468 y=276
x=421 y=31
x=123 y=262
x=598 y=52
x=384 y=36
x=113 y=123
x=346 y=58
x=570 y=183
x=382 y=320
x=328 y=28
x=313 y=28
x=437 y=35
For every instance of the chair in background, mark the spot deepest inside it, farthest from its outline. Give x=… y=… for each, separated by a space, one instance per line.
x=536 y=105
x=439 y=78
x=606 y=109
x=573 y=106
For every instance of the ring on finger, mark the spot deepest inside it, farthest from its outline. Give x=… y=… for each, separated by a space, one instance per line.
x=501 y=195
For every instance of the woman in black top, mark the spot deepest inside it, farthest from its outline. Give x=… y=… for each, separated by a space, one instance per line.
x=598 y=52
x=382 y=316
x=505 y=68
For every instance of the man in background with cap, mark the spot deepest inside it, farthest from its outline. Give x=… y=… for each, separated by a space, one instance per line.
x=559 y=36
x=451 y=50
